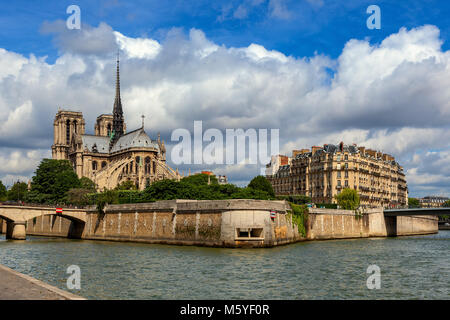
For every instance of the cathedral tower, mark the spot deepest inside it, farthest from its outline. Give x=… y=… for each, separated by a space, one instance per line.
x=66 y=124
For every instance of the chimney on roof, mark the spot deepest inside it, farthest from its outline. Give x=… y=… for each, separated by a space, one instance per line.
x=341 y=146
x=362 y=150
x=314 y=149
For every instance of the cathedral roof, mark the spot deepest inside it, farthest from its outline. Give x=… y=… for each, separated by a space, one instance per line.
x=91 y=142
x=134 y=139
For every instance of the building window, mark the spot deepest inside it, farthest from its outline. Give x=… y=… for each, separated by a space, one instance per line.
x=138 y=162
x=94 y=165
x=109 y=129
x=103 y=164
x=346 y=165
x=339 y=183
x=346 y=157
x=338 y=174
x=147 y=165
x=67 y=131
x=346 y=174
x=346 y=183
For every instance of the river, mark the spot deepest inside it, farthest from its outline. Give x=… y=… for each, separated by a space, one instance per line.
x=416 y=267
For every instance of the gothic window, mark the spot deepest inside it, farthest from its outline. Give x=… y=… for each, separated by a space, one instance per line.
x=103 y=164
x=147 y=165
x=109 y=129
x=138 y=162
x=94 y=165
x=75 y=126
x=67 y=131
x=154 y=167
x=131 y=167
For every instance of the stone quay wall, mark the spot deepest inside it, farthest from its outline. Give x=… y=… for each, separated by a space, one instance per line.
x=223 y=223
x=220 y=223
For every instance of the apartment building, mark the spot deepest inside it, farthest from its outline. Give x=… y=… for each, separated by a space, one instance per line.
x=323 y=172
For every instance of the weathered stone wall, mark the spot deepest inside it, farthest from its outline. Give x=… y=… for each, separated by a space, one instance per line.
x=224 y=223
x=414 y=225
x=338 y=224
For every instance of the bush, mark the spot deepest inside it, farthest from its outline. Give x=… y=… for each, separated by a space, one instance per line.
x=299 y=217
x=348 y=199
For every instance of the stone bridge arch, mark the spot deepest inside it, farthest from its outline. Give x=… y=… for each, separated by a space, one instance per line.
x=17 y=217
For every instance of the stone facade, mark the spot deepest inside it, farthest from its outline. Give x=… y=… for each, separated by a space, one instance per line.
x=323 y=172
x=110 y=156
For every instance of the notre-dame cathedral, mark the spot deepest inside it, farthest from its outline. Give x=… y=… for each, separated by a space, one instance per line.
x=110 y=156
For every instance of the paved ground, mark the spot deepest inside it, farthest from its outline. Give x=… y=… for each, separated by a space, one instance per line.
x=18 y=286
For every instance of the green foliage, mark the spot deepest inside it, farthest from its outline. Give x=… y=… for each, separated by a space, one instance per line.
x=106 y=197
x=196 y=187
x=299 y=217
x=3 y=192
x=126 y=185
x=348 y=199
x=87 y=184
x=446 y=204
x=297 y=199
x=261 y=183
x=413 y=203
x=53 y=179
x=18 y=192
x=79 y=196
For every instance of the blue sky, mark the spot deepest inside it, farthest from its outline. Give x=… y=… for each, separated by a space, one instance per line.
x=310 y=68
x=302 y=28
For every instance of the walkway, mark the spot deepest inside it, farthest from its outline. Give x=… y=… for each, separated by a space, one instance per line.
x=17 y=286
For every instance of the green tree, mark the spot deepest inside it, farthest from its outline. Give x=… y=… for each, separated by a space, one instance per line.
x=126 y=185
x=413 y=203
x=261 y=183
x=18 y=191
x=446 y=204
x=53 y=179
x=87 y=184
x=3 y=192
x=78 y=196
x=348 y=199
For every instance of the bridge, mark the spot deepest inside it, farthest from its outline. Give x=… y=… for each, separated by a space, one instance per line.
x=417 y=212
x=16 y=218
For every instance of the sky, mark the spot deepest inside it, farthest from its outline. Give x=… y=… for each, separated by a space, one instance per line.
x=310 y=68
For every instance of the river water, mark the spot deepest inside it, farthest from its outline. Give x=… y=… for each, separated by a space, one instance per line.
x=415 y=267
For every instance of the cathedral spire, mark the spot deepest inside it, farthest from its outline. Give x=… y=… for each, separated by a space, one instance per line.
x=118 y=124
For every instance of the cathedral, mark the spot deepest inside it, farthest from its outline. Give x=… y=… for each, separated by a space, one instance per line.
x=112 y=155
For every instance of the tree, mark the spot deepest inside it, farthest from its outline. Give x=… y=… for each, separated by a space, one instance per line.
x=18 y=191
x=348 y=199
x=126 y=185
x=53 y=179
x=78 y=196
x=413 y=203
x=261 y=183
x=446 y=204
x=3 y=192
x=87 y=184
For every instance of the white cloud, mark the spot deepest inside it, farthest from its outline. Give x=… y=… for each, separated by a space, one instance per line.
x=392 y=96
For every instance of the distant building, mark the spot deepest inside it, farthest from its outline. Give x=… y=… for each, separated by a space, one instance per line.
x=432 y=201
x=323 y=172
x=275 y=163
x=220 y=179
